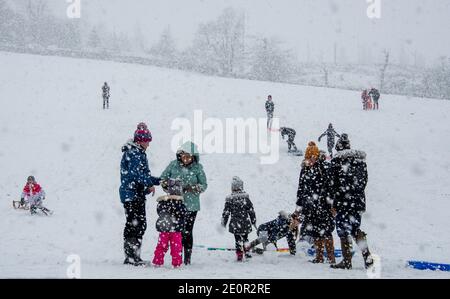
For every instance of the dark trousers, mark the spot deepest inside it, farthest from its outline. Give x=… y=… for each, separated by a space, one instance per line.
x=291 y=143
x=348 y=224
x=105 y=102
x=189 y=221
x=330 y=145
x=375 y=104
x=240 y=240
x=136 y=220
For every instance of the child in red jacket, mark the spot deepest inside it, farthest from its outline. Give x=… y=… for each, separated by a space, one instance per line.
x=33 y=194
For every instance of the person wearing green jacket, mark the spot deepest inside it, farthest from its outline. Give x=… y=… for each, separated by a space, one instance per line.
x=188 y=169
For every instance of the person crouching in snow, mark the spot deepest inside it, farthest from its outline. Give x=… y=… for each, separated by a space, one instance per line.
x=314 y=204
x=240 y=208
x=285 y=226
x=34 y=195
x=171 y=211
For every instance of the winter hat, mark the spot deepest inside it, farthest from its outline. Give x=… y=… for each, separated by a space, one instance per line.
x=142 y=126
x=31 y=178
x=311 y=151
x=142 y=135
x=343 y=143
x=237 y=184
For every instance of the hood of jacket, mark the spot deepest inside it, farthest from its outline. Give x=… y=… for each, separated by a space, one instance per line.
x=190 y=148
x=351 y=153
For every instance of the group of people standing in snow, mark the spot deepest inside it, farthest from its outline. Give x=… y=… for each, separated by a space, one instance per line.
x=183 y=180
x=330 y=195
x=370 y=99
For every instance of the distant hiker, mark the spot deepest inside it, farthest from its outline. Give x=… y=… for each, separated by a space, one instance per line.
x=375 y=94
x=270 y=108
x=330 y=133
x=365 y=99
x=349 y=179
x=136 y=182
x=284 y=226
x=171 y=211
x=188 y=169
x=291 y=136
x=33 y=195
x=105 y=94
x=239 y=207
x=314 y=204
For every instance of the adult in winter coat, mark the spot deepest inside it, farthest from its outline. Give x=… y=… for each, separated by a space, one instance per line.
x=270 y=108
x=239 y=207
x=375 y=94
x=136 y=182
x=284 y=226
x=34 y=195
x=330 y=133
x=291 y=136
x=105 y=95
x=314 y=204
x=171 y=212
x=188 y=169
x=349 y=180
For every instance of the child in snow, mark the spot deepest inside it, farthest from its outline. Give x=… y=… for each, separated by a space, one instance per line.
x=33 y=194
x=240 y=208
x=330 y=133
x=171 y=211
x=284 y=226
x=291 y=136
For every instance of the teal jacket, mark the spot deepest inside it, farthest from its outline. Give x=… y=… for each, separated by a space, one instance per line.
x=191 y=176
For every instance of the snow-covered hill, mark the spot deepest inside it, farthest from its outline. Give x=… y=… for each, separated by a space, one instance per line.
x=52 y=125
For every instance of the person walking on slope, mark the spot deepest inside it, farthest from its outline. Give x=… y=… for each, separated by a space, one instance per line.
x=348 y=182
x=270 y=108
x=136 y=182
x=171 y=211
x=105 y=95
x=375 y=94
x=188 y=169
x=330 y=133
x=291 y=136
x=365 y=99
x=240 y=208
x=34 y=195
x=314 y=204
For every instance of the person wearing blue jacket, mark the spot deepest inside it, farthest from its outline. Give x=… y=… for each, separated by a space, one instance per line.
x=136 y=182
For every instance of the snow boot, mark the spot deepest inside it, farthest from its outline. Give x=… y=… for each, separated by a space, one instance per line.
x=187 y=256
x=132 y=248
x=361 y=241
x=329 y=246
x=346 y=262
x=239 y=255
x=318 y=244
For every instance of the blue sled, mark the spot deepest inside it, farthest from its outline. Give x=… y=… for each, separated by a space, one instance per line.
x=421 y=265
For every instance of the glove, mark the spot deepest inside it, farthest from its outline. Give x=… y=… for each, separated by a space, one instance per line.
x=192 y=189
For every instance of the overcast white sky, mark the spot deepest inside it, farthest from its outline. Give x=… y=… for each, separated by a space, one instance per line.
x=414 y=25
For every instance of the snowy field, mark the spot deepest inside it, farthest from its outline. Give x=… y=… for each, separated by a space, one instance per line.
x=52 y=125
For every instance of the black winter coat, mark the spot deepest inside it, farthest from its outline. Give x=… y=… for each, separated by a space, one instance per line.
x=313 y=196
x=270 y=107
x=287 y=131
x=349 y=179
x=171 y=212
x=278 y=229
x=330 y=133
x=240 y=208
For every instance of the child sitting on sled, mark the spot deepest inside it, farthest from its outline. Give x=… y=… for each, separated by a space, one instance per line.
x=284 y=226
x=33 y=195
x=171 y=211
x=240 y=208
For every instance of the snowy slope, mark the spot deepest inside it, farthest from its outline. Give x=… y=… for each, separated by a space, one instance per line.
x=52 y=126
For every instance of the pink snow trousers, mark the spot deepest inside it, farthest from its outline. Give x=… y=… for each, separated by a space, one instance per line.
x=174 y=239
